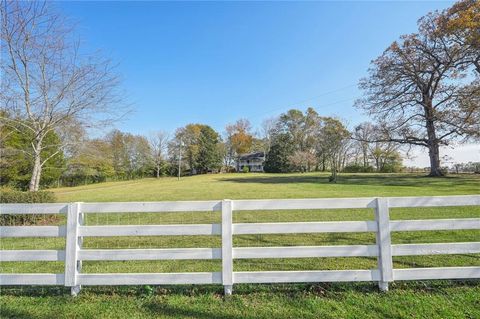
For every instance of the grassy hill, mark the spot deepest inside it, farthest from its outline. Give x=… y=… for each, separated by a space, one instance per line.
x=441 y=299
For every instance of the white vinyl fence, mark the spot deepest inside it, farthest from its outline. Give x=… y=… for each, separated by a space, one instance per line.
x=74 y=231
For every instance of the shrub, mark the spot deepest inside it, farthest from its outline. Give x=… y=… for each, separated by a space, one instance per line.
x=8 y=195
x=245 y=169
x=391 y=168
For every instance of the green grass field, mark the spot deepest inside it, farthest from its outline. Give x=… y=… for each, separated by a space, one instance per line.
x=445 y=299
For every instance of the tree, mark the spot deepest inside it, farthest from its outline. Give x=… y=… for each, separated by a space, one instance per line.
x=138 y=154
x=238 y=140
x=209 y=157
x=239 y=136
x=420 y=93
x=302 y=161
x=267 y=131
x=91 y=163
x=461 y=23
x=302 y=128
x=363 y=134
x=46 y=82
x=199 y=145
x=131 y=154
x=333 y=136
x=186 y=140
x=15 y=163
x=278 y=158
x=116 y=139
x=158 y=145
x=386 y=156
x=384 y=153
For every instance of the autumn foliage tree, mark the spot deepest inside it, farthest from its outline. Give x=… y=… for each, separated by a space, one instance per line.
x=461 y=23
x=421 y=90
x=238 y=140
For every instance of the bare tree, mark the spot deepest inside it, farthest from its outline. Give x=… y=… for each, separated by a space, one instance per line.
x=303 y=161
x=267 y=128
x=363 y=134
x=419 y=91
x=158 y=144
x=47 y=84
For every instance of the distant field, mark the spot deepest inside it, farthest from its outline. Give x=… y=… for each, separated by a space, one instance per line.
x=444 y=299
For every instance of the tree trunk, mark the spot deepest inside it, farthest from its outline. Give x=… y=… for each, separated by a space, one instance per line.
x=334 y=164
x=36 y=172
x=433 y=146
x=433 y=152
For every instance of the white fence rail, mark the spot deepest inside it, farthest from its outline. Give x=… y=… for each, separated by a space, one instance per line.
x=382 y=226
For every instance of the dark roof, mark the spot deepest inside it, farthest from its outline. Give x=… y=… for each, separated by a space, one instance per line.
x=251 y=156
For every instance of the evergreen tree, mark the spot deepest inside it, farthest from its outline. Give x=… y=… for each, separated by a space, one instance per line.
x=209 y=156
x=281 y=150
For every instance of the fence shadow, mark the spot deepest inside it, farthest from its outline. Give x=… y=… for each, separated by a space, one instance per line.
x=173 y=311
x=356 y=179
x=286 y=289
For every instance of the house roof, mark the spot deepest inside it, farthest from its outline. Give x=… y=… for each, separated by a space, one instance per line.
x=250 y=156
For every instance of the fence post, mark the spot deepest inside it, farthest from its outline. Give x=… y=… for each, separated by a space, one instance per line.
x=227 y=247
x=384 y=243
x=81 y=222
x=72 y=265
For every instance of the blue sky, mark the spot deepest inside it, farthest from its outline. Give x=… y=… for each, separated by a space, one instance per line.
x=215 y=62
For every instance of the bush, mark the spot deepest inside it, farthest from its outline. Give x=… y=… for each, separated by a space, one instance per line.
x=245 y=169
x=8 y=195
x=391 y=168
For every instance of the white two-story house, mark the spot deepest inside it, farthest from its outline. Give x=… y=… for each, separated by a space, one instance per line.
x=254 y=162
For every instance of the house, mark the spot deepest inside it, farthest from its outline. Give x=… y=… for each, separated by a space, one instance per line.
x=254 y=162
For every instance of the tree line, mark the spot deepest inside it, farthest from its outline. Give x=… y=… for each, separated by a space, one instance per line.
x=295 y=141
x=423 y=91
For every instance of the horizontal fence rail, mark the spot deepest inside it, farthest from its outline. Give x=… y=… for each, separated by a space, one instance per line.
x=74 y=231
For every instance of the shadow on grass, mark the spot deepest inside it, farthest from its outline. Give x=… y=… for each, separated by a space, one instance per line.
x=173 y=311
x=284 y=290
x=361 y=179
x=6 y=312
x=182 y=302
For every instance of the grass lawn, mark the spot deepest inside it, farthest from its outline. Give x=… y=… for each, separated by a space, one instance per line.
x=445 y=299
x=252 y=186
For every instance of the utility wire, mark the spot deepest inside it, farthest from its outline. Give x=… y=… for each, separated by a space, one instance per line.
x=310 y=99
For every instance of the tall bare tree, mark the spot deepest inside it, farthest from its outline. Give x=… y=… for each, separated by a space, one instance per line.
x=420 y=91
x=47 y=83
x=158 y=144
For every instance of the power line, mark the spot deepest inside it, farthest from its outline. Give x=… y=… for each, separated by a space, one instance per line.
x=310 y=99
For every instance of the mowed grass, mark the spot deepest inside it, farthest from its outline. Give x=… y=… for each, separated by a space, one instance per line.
x=445 y=299
x=254 y=186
